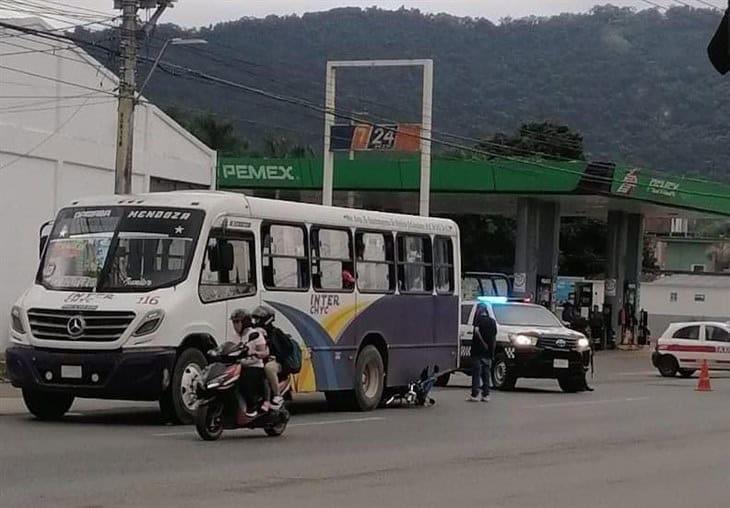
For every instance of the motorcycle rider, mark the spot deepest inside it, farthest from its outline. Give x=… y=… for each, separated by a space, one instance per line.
x=263 y=317
x=252 y=376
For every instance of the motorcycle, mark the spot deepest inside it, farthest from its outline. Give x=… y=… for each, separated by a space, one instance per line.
x=220 y=403
x=418 y=391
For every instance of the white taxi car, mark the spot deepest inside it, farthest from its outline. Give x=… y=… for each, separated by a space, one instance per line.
x=683 y=347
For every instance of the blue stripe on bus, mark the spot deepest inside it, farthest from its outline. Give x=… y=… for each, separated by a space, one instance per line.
x=314 y=336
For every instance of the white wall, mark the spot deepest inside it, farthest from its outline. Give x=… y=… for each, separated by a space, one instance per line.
x=656 y=300
x=57 y=143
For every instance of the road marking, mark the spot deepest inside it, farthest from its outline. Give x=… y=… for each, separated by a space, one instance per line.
x=183 y=433
x=335 y=422
x=590 y=402
x=303 y=424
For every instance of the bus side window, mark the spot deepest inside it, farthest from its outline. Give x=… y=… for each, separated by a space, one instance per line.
x=443 y=253
x=285 y=256
x=229 y=269
x=375 y=262
x=415 y=264
x=332 y=259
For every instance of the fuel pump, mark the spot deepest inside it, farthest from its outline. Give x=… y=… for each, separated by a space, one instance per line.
x=545 y=291
x=628 y=314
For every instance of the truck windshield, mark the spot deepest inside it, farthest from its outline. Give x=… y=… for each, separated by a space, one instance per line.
x=524 y=315
x=119 y=249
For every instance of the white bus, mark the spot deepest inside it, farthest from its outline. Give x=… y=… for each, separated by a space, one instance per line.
x=131 y=292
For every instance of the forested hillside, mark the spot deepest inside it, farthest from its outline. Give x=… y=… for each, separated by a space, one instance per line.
x=637 y=86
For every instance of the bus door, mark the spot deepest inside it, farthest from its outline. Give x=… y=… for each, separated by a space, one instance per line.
x=228 y=279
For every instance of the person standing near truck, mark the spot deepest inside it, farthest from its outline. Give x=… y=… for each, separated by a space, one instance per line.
x=482 y=352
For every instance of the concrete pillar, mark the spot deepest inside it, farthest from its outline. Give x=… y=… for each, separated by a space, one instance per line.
x=536 y=244
x=548 y=251
x=525 y=247
x=615 y=267
x=634 y=248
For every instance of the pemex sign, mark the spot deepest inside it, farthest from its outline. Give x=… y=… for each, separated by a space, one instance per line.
x=256 y=173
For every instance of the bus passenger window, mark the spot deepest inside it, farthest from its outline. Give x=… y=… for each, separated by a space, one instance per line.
x=238 y=279
x=375 y=262
x=332 y=260
x=443 y=253
x=415 y=269
x=285 y=263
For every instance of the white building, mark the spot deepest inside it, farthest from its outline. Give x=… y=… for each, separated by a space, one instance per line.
x=58 y=118
x=685 y=297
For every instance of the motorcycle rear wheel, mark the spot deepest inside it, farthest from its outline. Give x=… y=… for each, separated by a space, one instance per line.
x=278 y=429
x=209 y=421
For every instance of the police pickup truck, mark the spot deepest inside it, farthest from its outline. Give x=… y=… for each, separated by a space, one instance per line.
x=531 y=343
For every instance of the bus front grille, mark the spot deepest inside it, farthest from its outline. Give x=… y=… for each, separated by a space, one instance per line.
x=85 y=325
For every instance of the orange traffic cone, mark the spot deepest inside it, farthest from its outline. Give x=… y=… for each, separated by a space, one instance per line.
x=703 y=385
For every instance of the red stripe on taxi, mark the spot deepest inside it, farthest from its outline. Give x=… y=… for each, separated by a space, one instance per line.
x=688 y=349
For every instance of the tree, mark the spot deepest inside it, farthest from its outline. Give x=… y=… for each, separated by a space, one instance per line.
x=537 y=139
x=217 y=134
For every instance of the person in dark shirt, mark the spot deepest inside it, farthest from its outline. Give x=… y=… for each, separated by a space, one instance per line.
x=482 y=350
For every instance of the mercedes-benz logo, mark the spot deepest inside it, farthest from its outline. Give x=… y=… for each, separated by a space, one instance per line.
x=560 y=343
x=75 y=326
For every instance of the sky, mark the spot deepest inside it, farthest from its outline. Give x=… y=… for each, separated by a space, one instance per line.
x=190 y=13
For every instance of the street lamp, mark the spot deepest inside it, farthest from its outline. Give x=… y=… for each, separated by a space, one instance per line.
x=175 y=41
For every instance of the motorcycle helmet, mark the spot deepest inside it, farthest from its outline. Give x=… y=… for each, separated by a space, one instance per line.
x=262 y=316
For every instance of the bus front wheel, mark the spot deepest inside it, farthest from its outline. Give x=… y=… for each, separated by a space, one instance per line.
x=178 y=403
x=369 y=379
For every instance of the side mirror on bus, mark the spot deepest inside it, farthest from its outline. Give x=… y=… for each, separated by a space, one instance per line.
x=44 y=233
x=226 y=257
x=220 y=257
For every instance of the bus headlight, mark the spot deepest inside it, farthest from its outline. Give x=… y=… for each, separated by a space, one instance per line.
x=16 y=320
x=583 y=343
x=523 y=340
x=150 y=323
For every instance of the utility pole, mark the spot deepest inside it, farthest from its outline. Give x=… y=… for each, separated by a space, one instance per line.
x=127 y=84
x=125 y=125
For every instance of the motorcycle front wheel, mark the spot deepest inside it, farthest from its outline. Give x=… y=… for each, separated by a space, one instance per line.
x=209 y=421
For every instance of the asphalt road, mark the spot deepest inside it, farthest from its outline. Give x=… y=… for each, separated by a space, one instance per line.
x=637 y=441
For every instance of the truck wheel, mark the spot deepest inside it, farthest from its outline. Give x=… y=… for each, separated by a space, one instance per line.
x=369 y=379
x=443 y=380
x=667 y=366
x=573 y=384
x=686 y=372
x=178 y=403
x=502 y=374
x=46 y=405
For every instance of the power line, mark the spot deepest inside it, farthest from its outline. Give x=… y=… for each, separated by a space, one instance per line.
x=56 y=80
x=44 y=140
x=55 y=107
x=708 y=4
x=320 y=109
x=41 y=9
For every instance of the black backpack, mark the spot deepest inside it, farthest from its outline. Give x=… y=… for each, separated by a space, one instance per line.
x=287 y=351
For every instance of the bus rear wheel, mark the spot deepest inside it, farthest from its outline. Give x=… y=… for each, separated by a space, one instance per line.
x=369 y=379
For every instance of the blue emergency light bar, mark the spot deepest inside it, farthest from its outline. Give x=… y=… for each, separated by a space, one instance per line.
x=493 y=299
x=502 y=299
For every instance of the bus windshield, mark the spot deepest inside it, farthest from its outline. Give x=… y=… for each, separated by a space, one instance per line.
x=119 y=249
